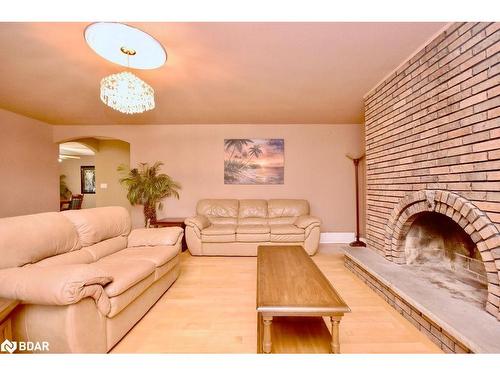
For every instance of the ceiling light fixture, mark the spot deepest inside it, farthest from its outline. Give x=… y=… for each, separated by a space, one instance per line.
x=112 y=41
x=130 y=47
x=127 y=93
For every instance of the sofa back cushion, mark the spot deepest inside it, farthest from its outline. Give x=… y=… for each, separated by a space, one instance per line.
x=219 y=211
x=88 y=254
x=252 y=208
x=285 y=211
x=107 y=247
x=252 y=212
x=98 y=224
x=81 y=256
x=30 y=238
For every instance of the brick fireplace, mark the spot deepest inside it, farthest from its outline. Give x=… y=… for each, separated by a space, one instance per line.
x=476 y=224
x=433 y=147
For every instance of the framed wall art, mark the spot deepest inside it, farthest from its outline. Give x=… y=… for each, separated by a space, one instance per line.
x=87 y=179
x=254 y=161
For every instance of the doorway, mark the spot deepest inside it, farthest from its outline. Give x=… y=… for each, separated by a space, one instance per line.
x=89 y=167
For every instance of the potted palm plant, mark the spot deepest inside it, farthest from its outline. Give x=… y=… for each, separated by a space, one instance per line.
x=147 y=186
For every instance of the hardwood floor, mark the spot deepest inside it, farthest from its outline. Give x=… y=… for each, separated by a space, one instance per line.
x=211 y=309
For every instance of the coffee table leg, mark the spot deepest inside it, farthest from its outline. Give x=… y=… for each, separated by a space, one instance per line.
x=259 y=332
x=335 y=334
x=266 y=342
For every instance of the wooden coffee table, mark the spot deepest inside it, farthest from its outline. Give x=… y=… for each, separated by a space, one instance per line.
x=6 y=307
x=289 y=284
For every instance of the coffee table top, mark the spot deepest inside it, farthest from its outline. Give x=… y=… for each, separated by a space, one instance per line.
x=290 y=283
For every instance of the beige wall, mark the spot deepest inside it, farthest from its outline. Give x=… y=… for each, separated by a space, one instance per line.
x=28 y=166
x=71 y=168
x=315 y=164
x=111 y=154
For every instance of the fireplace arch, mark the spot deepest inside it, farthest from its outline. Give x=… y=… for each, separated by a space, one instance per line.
x=474 y=222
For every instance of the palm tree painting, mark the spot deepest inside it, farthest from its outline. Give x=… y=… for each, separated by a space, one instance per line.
x=254 y=161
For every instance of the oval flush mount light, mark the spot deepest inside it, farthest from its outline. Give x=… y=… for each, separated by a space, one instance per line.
x=125 y=45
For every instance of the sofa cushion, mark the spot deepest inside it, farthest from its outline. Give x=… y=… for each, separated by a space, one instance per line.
x=223 y=220
x=30 y=238
x=252 y=208
x=286 y=229
x=253 y=229
x=125 y=273
x=287 y=207
x=81 y=256
x=154 y=236
x=122 y=300
x=217 y=208
x=253 y=237
x=107 y=247
x=218 y=238
x=167 y=267
x=296 y=238
x=97 y=224
x=158 y=255
x=282 y=220
x=287 y=233
x=253 y=221
x=218 y=229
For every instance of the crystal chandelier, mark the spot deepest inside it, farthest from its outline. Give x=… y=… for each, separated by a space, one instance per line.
x=126 y=46
x=126 y=93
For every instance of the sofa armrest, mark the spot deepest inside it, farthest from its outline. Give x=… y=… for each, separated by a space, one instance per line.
x=154 y=236
x=56 y=285
x=198 y=221
x=306 y=220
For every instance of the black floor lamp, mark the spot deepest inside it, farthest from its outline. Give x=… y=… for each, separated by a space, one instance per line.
x=357 y=242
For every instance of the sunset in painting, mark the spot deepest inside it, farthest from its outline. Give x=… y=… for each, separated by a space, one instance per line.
x=254 y=161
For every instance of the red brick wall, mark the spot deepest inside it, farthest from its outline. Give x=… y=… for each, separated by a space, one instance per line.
x=435 y=124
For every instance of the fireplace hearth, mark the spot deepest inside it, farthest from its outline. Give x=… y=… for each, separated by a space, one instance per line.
x=453 y=322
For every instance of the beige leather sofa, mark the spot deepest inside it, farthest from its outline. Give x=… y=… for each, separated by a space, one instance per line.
x=84 y=278
x=238 y=227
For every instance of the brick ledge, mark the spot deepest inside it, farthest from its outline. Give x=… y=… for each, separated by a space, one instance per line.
x=370 y=267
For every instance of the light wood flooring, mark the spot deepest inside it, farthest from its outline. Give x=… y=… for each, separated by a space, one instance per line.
x=211 y=309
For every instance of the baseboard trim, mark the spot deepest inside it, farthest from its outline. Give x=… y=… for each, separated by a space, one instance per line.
x=336 y=237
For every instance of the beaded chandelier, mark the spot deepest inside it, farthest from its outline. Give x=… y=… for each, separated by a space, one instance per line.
x=126 y=93
x=130 y=47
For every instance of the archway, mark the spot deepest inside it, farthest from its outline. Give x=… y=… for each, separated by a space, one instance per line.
x=76 y=175
x=109 y=153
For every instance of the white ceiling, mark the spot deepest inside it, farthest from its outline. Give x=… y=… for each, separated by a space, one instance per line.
x=75 y=149
x=258 y=73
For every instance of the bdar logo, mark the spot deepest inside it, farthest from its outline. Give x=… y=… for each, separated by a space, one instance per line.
x=8 y=346
x=24 y=346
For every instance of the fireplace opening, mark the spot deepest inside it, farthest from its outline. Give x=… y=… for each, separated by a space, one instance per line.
x=443 y=253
